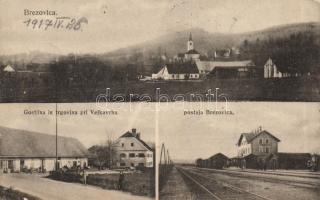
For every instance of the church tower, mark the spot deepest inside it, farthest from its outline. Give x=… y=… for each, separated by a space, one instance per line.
x=190 y=43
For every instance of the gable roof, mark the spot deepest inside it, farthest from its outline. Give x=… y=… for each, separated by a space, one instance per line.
x=218 y=156
x=208 y=66
x=130 y=134
x=251 y=136
x=182 y=68
x=8 y=68
x=21 y=143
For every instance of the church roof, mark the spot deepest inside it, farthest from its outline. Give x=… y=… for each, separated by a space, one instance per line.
x=192 y=51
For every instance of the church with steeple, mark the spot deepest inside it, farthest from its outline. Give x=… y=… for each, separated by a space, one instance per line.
x=191 y=53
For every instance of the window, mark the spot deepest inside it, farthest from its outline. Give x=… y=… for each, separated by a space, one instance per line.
x=123 y=155
x=132 y=155
x=132 y=144
x=132 y=164
x=141 y=155
x=260 y=149
x=260 y=141
x=141 y=164
x=122 y=144
x=122 y=164
x=267 y=141
x=172 y=75
x=267 y=149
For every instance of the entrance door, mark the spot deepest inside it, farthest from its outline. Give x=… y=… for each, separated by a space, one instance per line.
x=21 y=165
x=10 y=165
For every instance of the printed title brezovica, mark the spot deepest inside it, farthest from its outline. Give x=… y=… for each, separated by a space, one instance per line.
x=39 y=12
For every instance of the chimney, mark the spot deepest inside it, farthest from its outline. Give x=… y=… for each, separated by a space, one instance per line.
x=134 y=132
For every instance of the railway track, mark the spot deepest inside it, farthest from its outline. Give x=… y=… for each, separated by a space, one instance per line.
x=212 y=189
x=273 y=179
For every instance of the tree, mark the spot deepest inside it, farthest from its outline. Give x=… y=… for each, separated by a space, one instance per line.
x=104 y=156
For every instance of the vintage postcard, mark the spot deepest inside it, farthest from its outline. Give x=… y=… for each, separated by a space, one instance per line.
x=172 y=99
x=106 y=50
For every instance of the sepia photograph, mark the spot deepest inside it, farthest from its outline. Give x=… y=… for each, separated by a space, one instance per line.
x=72 y=51
x=254 y=154
x=164 y=100
x=75 y=156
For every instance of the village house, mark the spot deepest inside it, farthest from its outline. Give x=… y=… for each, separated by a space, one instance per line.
x=189 y=66
x=178 y=71
x=132 y=151
x=271 y=71
x=227 y=69
x=22 y=150
x=8 y=69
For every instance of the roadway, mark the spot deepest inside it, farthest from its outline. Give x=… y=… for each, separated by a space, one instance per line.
x=48 y=189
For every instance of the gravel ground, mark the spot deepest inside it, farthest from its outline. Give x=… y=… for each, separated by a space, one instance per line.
x=175 y=188
x=288 y=190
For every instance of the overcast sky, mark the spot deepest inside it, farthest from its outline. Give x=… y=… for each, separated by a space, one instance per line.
x=89 y=129
x=190 y=137
x=114 y=24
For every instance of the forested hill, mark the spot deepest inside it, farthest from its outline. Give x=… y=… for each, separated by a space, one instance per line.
x=173 y=43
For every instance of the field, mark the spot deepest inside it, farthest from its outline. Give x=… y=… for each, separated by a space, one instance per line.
x=286 y=89
x=141 y=184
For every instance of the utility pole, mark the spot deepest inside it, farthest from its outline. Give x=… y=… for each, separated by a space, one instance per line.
x=56 y=137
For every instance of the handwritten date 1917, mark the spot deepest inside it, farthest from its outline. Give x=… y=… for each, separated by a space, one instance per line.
x=66 y=23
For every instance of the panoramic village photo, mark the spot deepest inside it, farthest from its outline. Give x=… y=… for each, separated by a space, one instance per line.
x=45 y=158
x=253 y=50
x=255 y=154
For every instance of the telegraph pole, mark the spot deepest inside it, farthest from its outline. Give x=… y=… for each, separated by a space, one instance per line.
x=56 y=137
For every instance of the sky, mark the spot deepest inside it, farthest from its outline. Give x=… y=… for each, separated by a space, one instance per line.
x=115 y=24
x=88 y=129
x=189 y=137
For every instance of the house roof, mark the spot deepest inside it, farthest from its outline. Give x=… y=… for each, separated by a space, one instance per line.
x=130 y=134
x=208 y=66
x=192 y=51
x=251 y=136
x=8 y=68
x=218 y=156
x=21 y=143
x=182 y=68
